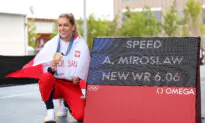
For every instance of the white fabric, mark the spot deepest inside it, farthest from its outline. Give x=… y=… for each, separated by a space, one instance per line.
x=76 y=63
x=63 y=46
x=83 y=92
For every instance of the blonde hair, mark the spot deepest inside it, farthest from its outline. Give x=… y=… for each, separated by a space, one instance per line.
x=71 y=19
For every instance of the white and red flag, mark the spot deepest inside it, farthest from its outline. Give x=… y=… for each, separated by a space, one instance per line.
x=76 y=63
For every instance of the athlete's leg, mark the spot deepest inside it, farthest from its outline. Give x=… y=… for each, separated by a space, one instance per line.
x=47 y=90
x=75 y=99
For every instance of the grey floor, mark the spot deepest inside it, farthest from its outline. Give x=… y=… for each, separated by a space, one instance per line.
x=23 y=104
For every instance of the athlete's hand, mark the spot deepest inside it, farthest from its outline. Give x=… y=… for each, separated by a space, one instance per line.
x=53 y=65
x=76 y=80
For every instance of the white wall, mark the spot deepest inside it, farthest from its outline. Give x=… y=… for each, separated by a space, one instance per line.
x=12 y=34
x=44 y=27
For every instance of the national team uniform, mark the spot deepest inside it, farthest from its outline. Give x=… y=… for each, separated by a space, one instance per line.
x=76 y=63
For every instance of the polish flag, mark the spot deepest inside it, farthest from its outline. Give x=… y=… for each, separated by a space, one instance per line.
x=36 y=67
x=77 y=53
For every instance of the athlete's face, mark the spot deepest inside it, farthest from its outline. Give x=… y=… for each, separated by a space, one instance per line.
x=65 y=28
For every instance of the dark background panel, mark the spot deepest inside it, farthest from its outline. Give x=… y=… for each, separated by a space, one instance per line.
x=164 y=48
x=9 y=64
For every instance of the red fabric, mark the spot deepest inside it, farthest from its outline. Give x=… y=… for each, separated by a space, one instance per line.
x=29 y=71
x=82 y=84
x=63 y=89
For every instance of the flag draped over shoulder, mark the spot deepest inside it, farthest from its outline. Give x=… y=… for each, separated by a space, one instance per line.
x=35 y=68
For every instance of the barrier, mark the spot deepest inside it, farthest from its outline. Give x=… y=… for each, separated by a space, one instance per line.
x=10 y=64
